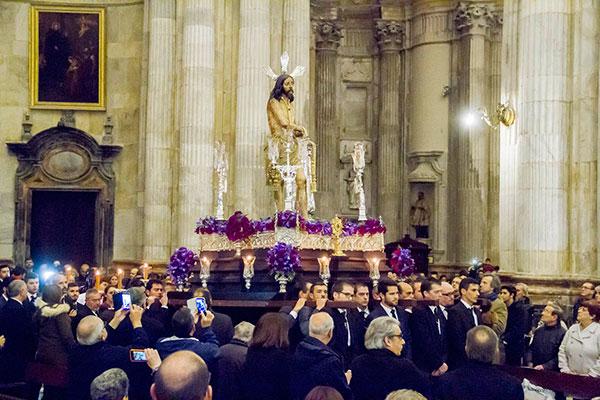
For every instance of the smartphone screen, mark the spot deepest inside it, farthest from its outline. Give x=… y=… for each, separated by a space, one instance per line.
x=126 y=301
x=201 y=304
x=137 y=355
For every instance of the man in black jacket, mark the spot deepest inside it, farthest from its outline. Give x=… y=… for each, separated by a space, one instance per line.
x=388 y=307
x=94 y=355
x=222 y=325
x=17 y=328
x=461 y=318
x=478 y=378
x=93 y=300
x=547 y=339
x=348 y=325
x=381 y=370
x=231 y=359
x=316 y=364
x=516 y=326
x=428 y=329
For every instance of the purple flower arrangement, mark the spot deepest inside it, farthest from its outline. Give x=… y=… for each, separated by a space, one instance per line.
x=180 y=265
x=284 y=259
x=371 y=227
x=263 y=225
x=402 y=263
x=316 y=227
x=239 y=227
x=287 y=219
x=210 y=225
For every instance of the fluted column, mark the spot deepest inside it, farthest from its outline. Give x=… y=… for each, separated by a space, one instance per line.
x=328 y=35
x=584 y=149
x=196 y=137
x=296 y=41
x=158 y=186
x=390 y=146
x=534 y=152
x=473 y=22
x=253 y=89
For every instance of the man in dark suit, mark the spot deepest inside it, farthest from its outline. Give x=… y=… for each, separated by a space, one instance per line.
x=33 y=286
x=388 y=307
x=17 y=328
x=93 y=300
x=361 y=297
x=461 y=318
x=428 y=328
x=4 y=273
x=478 y=378
x=302 y=289
x=348 y=325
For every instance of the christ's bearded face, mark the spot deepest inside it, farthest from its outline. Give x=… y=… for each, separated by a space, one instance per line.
x=288 y=87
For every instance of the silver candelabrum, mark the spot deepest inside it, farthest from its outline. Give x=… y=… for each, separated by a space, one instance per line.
x=358 y=164
x=221 y=167
x=288 y=174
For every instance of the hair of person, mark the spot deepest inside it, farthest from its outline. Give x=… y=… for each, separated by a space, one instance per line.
x=90 y=292
x=52 y=294
x=20 y=271
x=89 y=330
x=277 y=91
x=301 y=285
x=405 y=394
x=384 y=284
x=204 y=292
x=510 y=289
x=524 y=287
x=315 y=284
x=153 y=282
x=108 y=287
x=271 y=330
x=112 y=384
x=243 y=331
x=378 y=330
x=138 y=295
x=593 y=308
x=182 y=322
x=556 y=310
x=55 y=278
x=320 y=324
x=465 y=283
x=2 y=266
x=360 y=285
x=72 y=284
x=31 y=276
x=495 y=283
x=426 y=284
x=338 y=286
x=482 y=344
x=183 y=376
x=323 y=393
x=463 y=272
x=15 y=287
x=136 y=282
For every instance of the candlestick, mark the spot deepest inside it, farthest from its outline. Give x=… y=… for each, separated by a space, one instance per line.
x=248 y=273
x=120 y=278
x=97 y=280
x=145 y=269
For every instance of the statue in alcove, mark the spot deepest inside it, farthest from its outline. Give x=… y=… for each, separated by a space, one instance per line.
x=419 y=216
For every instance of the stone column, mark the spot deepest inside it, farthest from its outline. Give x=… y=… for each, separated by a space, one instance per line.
x=253 y=89
x=196 y=137
x=534 y=228
x=296 y=41
x=473 y=22
x=328 y=35
x=390 y=142
x=158 y=187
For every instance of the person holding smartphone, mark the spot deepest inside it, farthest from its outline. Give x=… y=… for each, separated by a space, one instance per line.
x=204 y=344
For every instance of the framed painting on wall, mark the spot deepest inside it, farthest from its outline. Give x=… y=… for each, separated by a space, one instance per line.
x=66 y=58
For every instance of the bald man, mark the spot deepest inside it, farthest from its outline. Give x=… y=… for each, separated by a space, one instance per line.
x=182 y=376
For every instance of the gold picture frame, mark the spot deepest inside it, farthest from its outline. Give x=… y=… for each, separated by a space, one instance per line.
x=67 y=58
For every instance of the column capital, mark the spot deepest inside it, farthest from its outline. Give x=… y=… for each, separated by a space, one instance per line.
x=328 y=34
x=389 y=34
x=476 y=18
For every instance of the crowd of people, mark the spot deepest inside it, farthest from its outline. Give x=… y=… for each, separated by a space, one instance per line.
x=381 y=347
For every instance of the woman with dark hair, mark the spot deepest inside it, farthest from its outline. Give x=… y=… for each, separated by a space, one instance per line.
x=55 y=335
x=323 y=393
x=266 y=372
x=579 y=352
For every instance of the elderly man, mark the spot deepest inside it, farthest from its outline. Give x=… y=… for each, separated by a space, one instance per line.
x=94 y=355
x=381 y=370
x=93 y=300
x=497 y=315
x=231 y=359
x=183 y=376
x=479 y=379
x=586 y=294
x=315 y=363
x=446 y=298
x=546 y=339
x=112 y=384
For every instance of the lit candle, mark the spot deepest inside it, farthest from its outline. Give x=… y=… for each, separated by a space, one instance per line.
x=69 y=274
x=98 y=279
x=145 y=269
x=120 y=277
